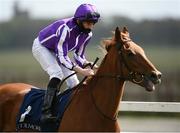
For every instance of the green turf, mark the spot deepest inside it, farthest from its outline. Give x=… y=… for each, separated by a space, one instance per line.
x=166 y=59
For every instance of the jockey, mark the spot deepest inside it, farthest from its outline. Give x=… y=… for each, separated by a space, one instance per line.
x=51 y=49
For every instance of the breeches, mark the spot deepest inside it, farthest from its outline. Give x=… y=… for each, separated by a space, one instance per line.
x=48 y=62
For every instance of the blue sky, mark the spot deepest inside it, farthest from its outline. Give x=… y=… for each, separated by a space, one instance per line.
x=135 y=9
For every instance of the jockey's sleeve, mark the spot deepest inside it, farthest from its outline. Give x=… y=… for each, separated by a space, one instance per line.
x=79 y=53
x=62 y=48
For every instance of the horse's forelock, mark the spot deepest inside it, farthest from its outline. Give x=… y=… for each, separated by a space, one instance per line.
x=125 y=36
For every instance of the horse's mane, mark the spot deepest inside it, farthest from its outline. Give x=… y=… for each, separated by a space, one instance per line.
x=106 y=43
x=104 y=46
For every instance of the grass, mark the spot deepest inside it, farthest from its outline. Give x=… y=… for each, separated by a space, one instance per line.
x=164 y=58
x=23 y=61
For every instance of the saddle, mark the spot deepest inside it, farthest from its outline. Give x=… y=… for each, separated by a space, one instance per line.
x=30 y=110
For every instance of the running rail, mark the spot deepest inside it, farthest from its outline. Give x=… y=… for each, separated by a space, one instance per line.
x=131 y=106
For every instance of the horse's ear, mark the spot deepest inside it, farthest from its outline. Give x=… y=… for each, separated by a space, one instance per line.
x=117 y=34
x=125 y=30
x=125 y=34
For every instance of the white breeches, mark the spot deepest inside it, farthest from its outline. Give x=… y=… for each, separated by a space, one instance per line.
x=48 y=62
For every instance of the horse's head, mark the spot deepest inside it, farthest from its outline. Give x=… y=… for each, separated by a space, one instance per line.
x=134 y=65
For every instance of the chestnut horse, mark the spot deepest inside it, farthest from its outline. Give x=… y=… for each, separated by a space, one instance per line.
x=94 y=106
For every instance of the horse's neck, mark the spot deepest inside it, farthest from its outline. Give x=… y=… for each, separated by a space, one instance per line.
x=108 y=91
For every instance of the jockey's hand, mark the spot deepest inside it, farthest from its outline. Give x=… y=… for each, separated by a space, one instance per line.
x=95 y=66
x=85 y=71
x=88 y=72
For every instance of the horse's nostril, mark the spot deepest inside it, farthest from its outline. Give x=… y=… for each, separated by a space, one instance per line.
x=154 y=76
x=159 y=75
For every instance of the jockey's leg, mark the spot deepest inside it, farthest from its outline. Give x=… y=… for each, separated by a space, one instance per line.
x=48 y=99
x=49 y=64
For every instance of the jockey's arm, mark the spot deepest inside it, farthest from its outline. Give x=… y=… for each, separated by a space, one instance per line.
x=62 y=56
x=79 y=54
x=68 y=64
x=63 y=59
x=61 y=50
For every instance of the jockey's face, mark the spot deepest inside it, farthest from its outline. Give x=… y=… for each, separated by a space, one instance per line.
x=88 y=24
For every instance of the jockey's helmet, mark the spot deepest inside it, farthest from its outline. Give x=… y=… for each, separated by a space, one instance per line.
x=87 y=12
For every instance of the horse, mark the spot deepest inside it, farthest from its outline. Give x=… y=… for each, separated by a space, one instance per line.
x=94 y=105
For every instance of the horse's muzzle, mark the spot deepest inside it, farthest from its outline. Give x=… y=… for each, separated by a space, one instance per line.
x=155 y=77
x=151 y=80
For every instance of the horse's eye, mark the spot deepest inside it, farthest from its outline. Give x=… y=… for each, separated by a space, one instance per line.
x=131 y=54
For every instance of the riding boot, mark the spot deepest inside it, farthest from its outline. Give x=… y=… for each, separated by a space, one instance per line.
x=48 y=100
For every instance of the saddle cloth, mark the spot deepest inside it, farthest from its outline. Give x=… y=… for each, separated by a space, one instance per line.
x=30 y=110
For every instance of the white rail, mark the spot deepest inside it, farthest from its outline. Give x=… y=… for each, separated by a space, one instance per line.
x=173 y=107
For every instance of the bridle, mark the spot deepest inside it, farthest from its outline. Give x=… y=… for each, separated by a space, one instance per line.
x=131 y=76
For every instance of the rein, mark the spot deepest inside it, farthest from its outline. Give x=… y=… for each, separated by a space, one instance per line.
x=117 y=77
x=131 y=76
x=93 y=99
x=91 y=66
